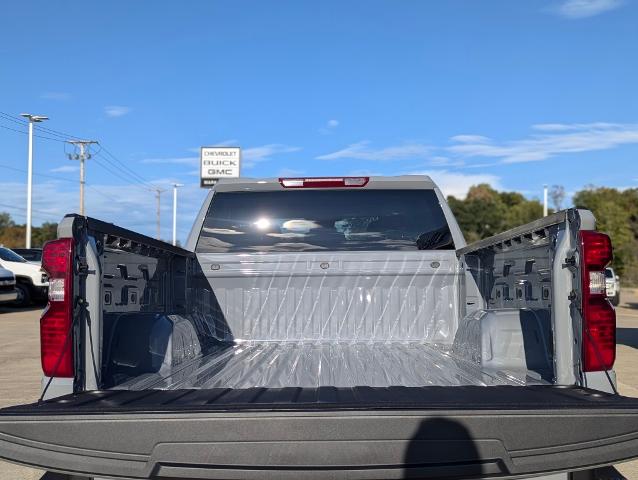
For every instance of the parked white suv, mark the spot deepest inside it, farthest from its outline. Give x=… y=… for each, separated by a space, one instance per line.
x=612 y=282
x=32 y=283
x=7 y=286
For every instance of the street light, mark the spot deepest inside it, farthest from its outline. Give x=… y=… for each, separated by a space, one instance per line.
x=32 y=119
x=175 y=185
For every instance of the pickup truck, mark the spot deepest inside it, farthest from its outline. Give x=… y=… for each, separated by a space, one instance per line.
x=613 y=286
x=31 y=282
x=333 y=328
x=7 y=286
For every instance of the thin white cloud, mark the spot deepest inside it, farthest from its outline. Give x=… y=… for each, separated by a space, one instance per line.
x=457 y=184
x=362 y=151
x=115 y=111
x=329 y=127
x=470 y=139
x=555 y=139
x=289 y=172
x=249 y=156
x=65 y=169
x=440 y=161
x=223 y=143
x=59 y=96
x=575 y=9
x=564 y=127
x=173 y=160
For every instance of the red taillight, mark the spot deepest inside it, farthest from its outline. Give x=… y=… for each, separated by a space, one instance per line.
x=599 y=317
x=324 y=182
x=56 y=345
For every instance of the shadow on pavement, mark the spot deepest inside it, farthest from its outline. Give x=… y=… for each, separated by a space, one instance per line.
x=627 y=336
x=12 y=309
x=54 y=476
x=632 y=305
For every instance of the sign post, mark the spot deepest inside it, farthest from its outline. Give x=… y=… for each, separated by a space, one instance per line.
x=218 y=162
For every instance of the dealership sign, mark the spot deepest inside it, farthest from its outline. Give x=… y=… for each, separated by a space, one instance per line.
x=219 y=162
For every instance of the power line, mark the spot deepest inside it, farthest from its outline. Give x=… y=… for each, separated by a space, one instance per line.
x=57 y=177
x=13 y=119
x=57 y=133
x=112 y=165
x=40 y=212
x=126 y=176
x=112 y=170
x=125 y=170
x=63 y=137
x=13 y=129
x=123 y=165
x=100 y=192
x=27 y=133
x=50 y=131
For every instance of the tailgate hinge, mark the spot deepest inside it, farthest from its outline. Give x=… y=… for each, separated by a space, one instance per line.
x=83 y=267
x=571 y=261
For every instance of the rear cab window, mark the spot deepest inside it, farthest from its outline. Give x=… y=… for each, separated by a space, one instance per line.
x=10 y=256
x=324 y=220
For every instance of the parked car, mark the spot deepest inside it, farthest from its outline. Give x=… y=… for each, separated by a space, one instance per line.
x=7 y=286
x=31 y=255
x=32 y=283
x=612 y=282
x=327 y=328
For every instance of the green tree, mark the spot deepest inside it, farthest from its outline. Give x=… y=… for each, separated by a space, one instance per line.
x=485 y=212
x=481 y=214
x=616 y=214
x=13 y=235
x=5 y=221
x=42 y=234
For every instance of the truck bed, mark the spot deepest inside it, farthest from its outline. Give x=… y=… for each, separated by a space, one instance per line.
x=312 y=365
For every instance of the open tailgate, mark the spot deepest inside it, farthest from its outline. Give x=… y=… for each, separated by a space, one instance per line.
x=354 y=433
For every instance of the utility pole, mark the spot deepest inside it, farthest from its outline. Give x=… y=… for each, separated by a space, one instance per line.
x=158 y=193
x=175 y=186
x=32 y=119
x=545 y=201
x=84 y=154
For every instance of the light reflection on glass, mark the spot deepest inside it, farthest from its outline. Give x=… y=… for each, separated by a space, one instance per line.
x=262 y=224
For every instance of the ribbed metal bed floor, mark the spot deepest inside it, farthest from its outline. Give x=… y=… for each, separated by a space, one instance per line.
x=311 y=365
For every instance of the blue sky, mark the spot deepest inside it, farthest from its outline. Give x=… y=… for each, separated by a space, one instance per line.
x=514 y=93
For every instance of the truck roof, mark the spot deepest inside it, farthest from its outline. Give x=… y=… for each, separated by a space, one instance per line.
x=374 y=182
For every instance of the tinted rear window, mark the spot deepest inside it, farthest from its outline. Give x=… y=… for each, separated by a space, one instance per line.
x=10 y=256
x=324 y=220
x=31 y=255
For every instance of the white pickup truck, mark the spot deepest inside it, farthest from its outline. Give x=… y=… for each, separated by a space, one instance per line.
x=7 y=286
x=332 y=328
x=31 y=282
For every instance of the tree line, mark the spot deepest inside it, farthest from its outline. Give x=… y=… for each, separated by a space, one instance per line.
x=485 y=212
x=12 y=235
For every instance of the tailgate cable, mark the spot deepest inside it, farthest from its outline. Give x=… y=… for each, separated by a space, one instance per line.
x=66 y=344
x=600 y=359
x=57 y=363
x=88 y=326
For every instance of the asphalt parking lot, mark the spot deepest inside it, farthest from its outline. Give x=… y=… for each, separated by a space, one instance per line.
x=20 y=366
